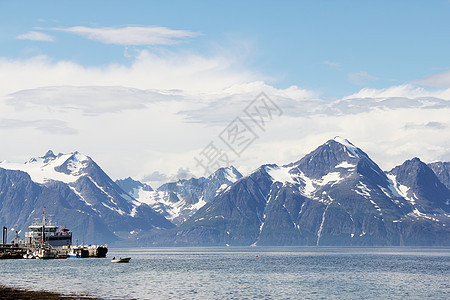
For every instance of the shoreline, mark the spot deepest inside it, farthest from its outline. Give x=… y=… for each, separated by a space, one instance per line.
x=7 y=292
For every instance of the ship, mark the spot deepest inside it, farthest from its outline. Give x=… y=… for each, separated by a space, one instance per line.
x=45 y=240
x=46 y=231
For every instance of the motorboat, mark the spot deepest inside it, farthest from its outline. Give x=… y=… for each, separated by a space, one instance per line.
x=121 y=260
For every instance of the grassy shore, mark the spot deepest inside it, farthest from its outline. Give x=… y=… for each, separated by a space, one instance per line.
x=15 y=293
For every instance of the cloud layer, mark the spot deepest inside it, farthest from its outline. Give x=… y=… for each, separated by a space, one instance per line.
x=47 y=126
x=441 y=80
x=152 y=117
x=36 y=36
x=165 y=71
x=130 y=35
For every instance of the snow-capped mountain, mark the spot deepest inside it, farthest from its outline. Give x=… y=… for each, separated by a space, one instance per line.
x=177 y=201
x=66 y=168
x=336 y=195
x=76 y=184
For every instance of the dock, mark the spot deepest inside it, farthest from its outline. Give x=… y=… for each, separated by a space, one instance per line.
x=9 y=251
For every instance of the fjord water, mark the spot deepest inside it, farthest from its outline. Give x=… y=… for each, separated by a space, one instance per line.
x=248 y=272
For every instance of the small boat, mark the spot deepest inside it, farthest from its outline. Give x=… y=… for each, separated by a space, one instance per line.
x=120 y=260
x=45 y=253
x=78 y=251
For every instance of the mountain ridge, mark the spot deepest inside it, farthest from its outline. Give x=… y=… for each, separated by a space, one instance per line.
x=334 y=195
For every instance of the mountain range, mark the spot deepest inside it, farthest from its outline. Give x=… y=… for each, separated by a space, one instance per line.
x=335 y=195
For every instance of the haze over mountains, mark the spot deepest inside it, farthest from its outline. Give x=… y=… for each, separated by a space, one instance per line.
x=336 y=195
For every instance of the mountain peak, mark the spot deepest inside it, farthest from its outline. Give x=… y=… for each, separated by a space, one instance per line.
x=49 y=154
x=412 y=167
x=419 y=180
x=348 y=145
x=66 y=167
x=228 y=173
x=129 y=185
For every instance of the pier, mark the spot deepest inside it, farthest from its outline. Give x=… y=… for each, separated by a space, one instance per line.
x=9 y=251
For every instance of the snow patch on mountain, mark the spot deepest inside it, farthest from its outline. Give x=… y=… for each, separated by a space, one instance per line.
x=352 y=149
x=280 y=174
x=162 y=202
x=118 y=210
x=396 y=188
x=81 y=197
x=151 y=198
x=44 y=169
x=222 y=188
x=345 y=165
x=231 y=174
x=308 y=186
x=333 y=177
x=419 y=215
x=363 y=190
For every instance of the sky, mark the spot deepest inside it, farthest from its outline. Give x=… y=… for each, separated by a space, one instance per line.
x=154 y=89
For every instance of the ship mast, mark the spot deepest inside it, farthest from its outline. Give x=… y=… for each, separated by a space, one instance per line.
x=43 y=226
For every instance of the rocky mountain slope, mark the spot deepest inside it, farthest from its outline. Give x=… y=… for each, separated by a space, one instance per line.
x=336 y=195
x=442 y=171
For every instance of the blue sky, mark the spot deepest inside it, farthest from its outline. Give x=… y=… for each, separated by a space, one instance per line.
x=317 y=45
x=165 y=77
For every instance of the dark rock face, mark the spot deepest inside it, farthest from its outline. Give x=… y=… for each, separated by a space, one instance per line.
x=442 y=171
x=336 y=195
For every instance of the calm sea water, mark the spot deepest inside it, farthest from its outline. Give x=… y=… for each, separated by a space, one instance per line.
x=243 y=273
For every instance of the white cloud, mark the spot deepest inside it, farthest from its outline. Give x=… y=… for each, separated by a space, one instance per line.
x=331 y=63
x=132 y=132
x=159 y=112
x=89 y=100
x=36 y=36
x=361 y=78
x=441 y=80
x=47 y=126
x=406 y=91
x=429 y=125
x=164 y=71
x=131 y=35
